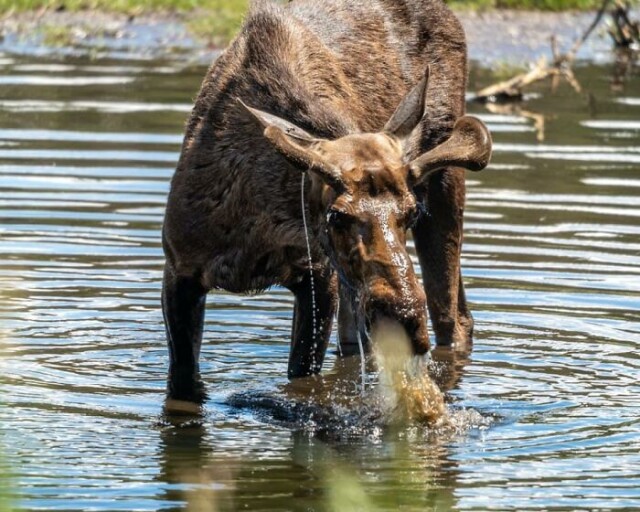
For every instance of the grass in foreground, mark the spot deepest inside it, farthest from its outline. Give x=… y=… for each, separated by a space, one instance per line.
x=6 y=501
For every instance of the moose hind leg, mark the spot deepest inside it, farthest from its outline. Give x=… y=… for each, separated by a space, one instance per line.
x=438 y=240
x=464 y=314
x=311 y=331
x=183 y=305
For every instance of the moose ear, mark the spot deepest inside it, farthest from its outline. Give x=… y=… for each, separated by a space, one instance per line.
x=468 y=146
x=410 y=111
x=266 y=120
x=294 y=144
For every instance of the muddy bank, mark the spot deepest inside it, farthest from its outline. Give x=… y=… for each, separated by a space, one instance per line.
x=494 y=37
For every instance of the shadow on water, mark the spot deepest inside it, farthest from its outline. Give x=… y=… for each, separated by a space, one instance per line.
x=87 y=149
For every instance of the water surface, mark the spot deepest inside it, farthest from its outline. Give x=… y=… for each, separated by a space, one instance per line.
x=547 y=404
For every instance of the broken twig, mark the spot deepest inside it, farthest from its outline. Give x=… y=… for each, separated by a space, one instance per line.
x=624 y=32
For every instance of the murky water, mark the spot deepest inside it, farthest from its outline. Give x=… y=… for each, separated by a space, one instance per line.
x=546 y=408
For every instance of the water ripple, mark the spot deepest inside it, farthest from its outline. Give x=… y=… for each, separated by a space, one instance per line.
x=546 y=404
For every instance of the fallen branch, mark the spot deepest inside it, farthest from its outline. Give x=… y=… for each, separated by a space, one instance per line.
x=561 y=67
x=511 y=90
x=624 y=32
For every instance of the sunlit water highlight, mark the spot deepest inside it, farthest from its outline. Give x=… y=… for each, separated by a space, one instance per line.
x=543 y=412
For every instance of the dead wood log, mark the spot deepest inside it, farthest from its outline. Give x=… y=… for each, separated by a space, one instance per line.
x=560 y=67
x=624 y=31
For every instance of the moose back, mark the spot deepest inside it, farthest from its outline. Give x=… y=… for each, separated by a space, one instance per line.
x=363 y=100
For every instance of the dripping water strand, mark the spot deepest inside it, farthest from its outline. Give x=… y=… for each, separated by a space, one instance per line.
x=306 y=236
x=313 y=289
x=362 y=366
x=361 y=348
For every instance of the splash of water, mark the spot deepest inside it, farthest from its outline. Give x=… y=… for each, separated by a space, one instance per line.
x=362 y=361
x=407 y=392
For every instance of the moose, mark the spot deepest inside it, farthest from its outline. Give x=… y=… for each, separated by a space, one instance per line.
x=358 y=106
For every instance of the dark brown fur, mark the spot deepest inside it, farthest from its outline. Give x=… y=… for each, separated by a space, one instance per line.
x=234 y=220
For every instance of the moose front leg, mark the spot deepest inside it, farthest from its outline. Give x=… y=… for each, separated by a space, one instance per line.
x=310 y=332
x=183 y=304
x=438 y=240
x=352 y=331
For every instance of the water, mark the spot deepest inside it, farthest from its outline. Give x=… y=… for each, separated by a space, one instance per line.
x=545 y=409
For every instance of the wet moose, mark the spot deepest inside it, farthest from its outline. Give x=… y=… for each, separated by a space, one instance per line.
x=364 y=101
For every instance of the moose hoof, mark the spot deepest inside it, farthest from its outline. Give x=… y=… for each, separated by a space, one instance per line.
x=454 y=333
x=186 y=387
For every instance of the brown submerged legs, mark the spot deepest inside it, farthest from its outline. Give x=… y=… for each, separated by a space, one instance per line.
x=183 y=304
x=308 y=347
x=438 y=239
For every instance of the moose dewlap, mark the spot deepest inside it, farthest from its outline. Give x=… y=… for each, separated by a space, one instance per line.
x=365 y=98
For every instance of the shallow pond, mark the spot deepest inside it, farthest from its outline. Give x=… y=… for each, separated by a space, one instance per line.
x=545 y=409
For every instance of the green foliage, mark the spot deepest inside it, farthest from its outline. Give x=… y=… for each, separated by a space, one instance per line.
x=549 y=5
x=220 y=21
x=503 y=70
x=471 y=4
x=540 y=5
x=126 y=6
x=215 y=21
x=229 y=8
x=56 y=36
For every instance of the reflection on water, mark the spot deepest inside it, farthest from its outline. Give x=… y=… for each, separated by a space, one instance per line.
x=546 y=404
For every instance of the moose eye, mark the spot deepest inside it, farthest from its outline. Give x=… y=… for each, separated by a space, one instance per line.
x=338 y=219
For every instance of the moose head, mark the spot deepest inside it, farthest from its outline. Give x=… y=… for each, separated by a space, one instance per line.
x=367 y=201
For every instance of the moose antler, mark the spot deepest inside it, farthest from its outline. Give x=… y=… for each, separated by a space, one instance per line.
x=469 y=146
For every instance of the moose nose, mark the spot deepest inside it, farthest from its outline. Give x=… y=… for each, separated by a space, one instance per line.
x=408 y=310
